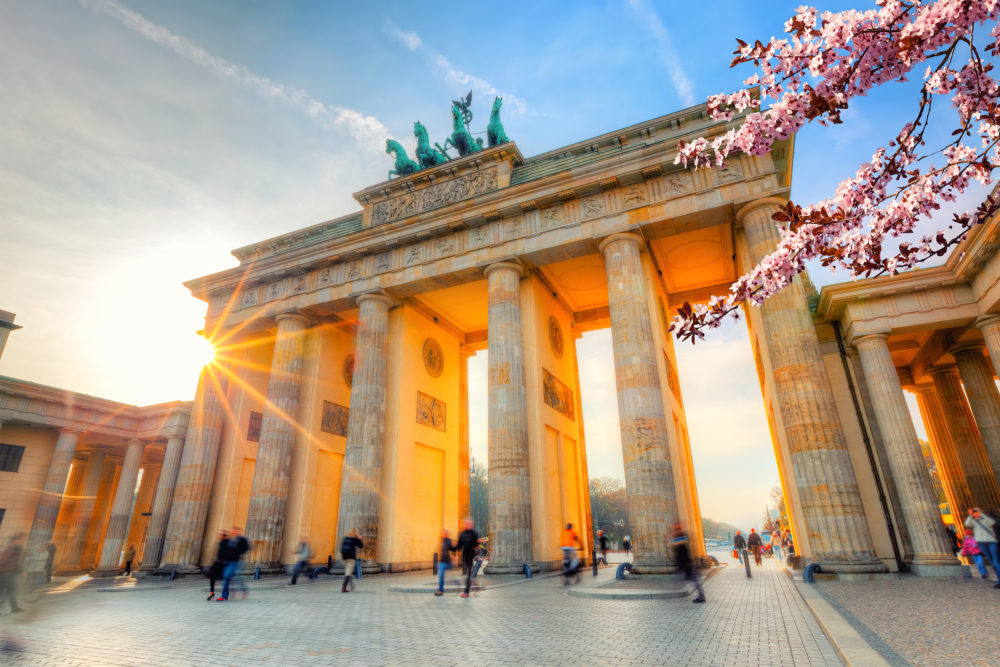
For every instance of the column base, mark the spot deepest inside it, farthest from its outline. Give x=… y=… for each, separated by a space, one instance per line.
x=654 y=569
x=265 y=568
x=939 y=570
x=508 y=568
x=106 y=573
x=841 y=567
x=179 y=570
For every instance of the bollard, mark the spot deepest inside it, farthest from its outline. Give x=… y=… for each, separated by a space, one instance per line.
x=435 y=568
x=527 y=571
x=329 y=563
x=594 y=559
x=810 y=570
x=746 y=561
x=256 y=574
x=357 y=564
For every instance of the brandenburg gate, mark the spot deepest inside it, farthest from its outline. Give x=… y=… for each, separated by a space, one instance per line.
x=339 y=397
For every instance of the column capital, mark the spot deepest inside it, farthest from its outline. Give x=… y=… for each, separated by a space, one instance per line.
x=464 y=352
x=504 y=266
x=943 y=369
x=967 y=347
x=293 y=316
x=75 y=430
x=863 y=339
x=990 y=321
x=776 y=202
x=923 y=388
x=376 y=297
x=628 y=237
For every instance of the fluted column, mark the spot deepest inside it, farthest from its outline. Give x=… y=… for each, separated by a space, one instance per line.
x=931 y=545
x=362 y=482
x=977 y=378
x=47 y=510
x=943 y=447
x=269 y=494
x=832 y=511
x=121 y=512
x=84 y=511
x=192 y=492
x=463 y=432
x=161 y=503
x=649 y=481
x=968 y=448
x=509 y=489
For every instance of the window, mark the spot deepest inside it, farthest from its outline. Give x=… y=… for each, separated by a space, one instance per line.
x=10 y=458
x=253 y=430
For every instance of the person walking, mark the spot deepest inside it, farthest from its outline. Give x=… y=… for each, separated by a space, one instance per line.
x=626 y=545
x=753 y=541
x=776 y=545
x=217 y=567
x=602 y=542
x=567 y=544
x=984 y=530
x=444 y=561
x=349 y=553
x=971 y=551
x=233 y=551
x=740 y=545
x=468 y=540
x=10 y=568
x=129 y=559
x=302 y=556
x=685 y=564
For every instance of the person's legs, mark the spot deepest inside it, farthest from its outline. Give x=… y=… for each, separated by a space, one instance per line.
x=442 y=568
x=697 y=586
x=349 y=566
x=978 y=560
x=297 y=570
x=989 y=550
x=228 y=570
x=468 y=578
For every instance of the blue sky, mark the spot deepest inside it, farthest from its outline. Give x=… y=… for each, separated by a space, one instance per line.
x=144 y=140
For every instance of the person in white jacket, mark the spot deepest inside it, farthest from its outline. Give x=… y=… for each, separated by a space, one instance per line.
x=984 y=531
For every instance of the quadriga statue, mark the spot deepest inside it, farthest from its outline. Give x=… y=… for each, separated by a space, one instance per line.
x=404 y=165
x=495 y=134
x=427 y=154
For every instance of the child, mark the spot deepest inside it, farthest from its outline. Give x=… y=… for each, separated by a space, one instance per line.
x=971 y=551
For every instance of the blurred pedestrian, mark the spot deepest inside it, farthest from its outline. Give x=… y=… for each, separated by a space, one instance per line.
x=129 y=559
x=232 y=552
x=302 y=556
x=602 y=543
x=971 y=551
x=10 y=568
x=627 y=545
x=567 y=544
x=685 y=564
x=985 y=533
x=444 y=561
x=753 y=541
x=468 y=540
x=349 y=553
x=49 y=558
x=776 y=545
x=215 y=570
x=740 y=545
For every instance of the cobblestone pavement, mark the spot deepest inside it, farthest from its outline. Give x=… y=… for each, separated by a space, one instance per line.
x=923 y=621
x=746 y=622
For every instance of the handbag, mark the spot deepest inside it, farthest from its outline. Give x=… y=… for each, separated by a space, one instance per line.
x=736 y=554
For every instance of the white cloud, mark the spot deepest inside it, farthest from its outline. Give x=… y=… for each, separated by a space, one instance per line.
x=367 y=130
x=668 y=53
x=449 y=72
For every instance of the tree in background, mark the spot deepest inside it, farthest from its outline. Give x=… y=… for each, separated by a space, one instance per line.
x=813 y=74
x=609 y=508
x=479 y=497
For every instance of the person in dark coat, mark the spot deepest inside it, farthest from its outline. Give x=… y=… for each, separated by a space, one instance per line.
x=233 y=551
x=685 y=564
x=349 y=553
x=739 y=543
x=753 y=541
x=468 y=540
x=444 y=562
x=217 y=566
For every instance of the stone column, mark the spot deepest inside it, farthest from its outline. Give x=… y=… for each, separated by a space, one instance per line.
x=80 y=522
x=510 y=488
x=269 y=495
x=977 y=378
x=649 y=480
x=832 y=511
x=189 y=507
x=121 y=512
x=161 y=503
x=47 y=510
x=932 y=549
x=968 y=447
x=944 y=449
x=362 y=482
x=463 y=432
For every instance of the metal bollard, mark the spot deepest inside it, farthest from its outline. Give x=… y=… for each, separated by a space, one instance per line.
x=594 y=559
x=329 y=563
x=746 y=561
x=357 y=564
x=435 y=568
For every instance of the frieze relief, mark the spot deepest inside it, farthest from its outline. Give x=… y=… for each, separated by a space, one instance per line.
x=594 y=206
x=557 y=396
x=434 y=196
x=430 y=411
